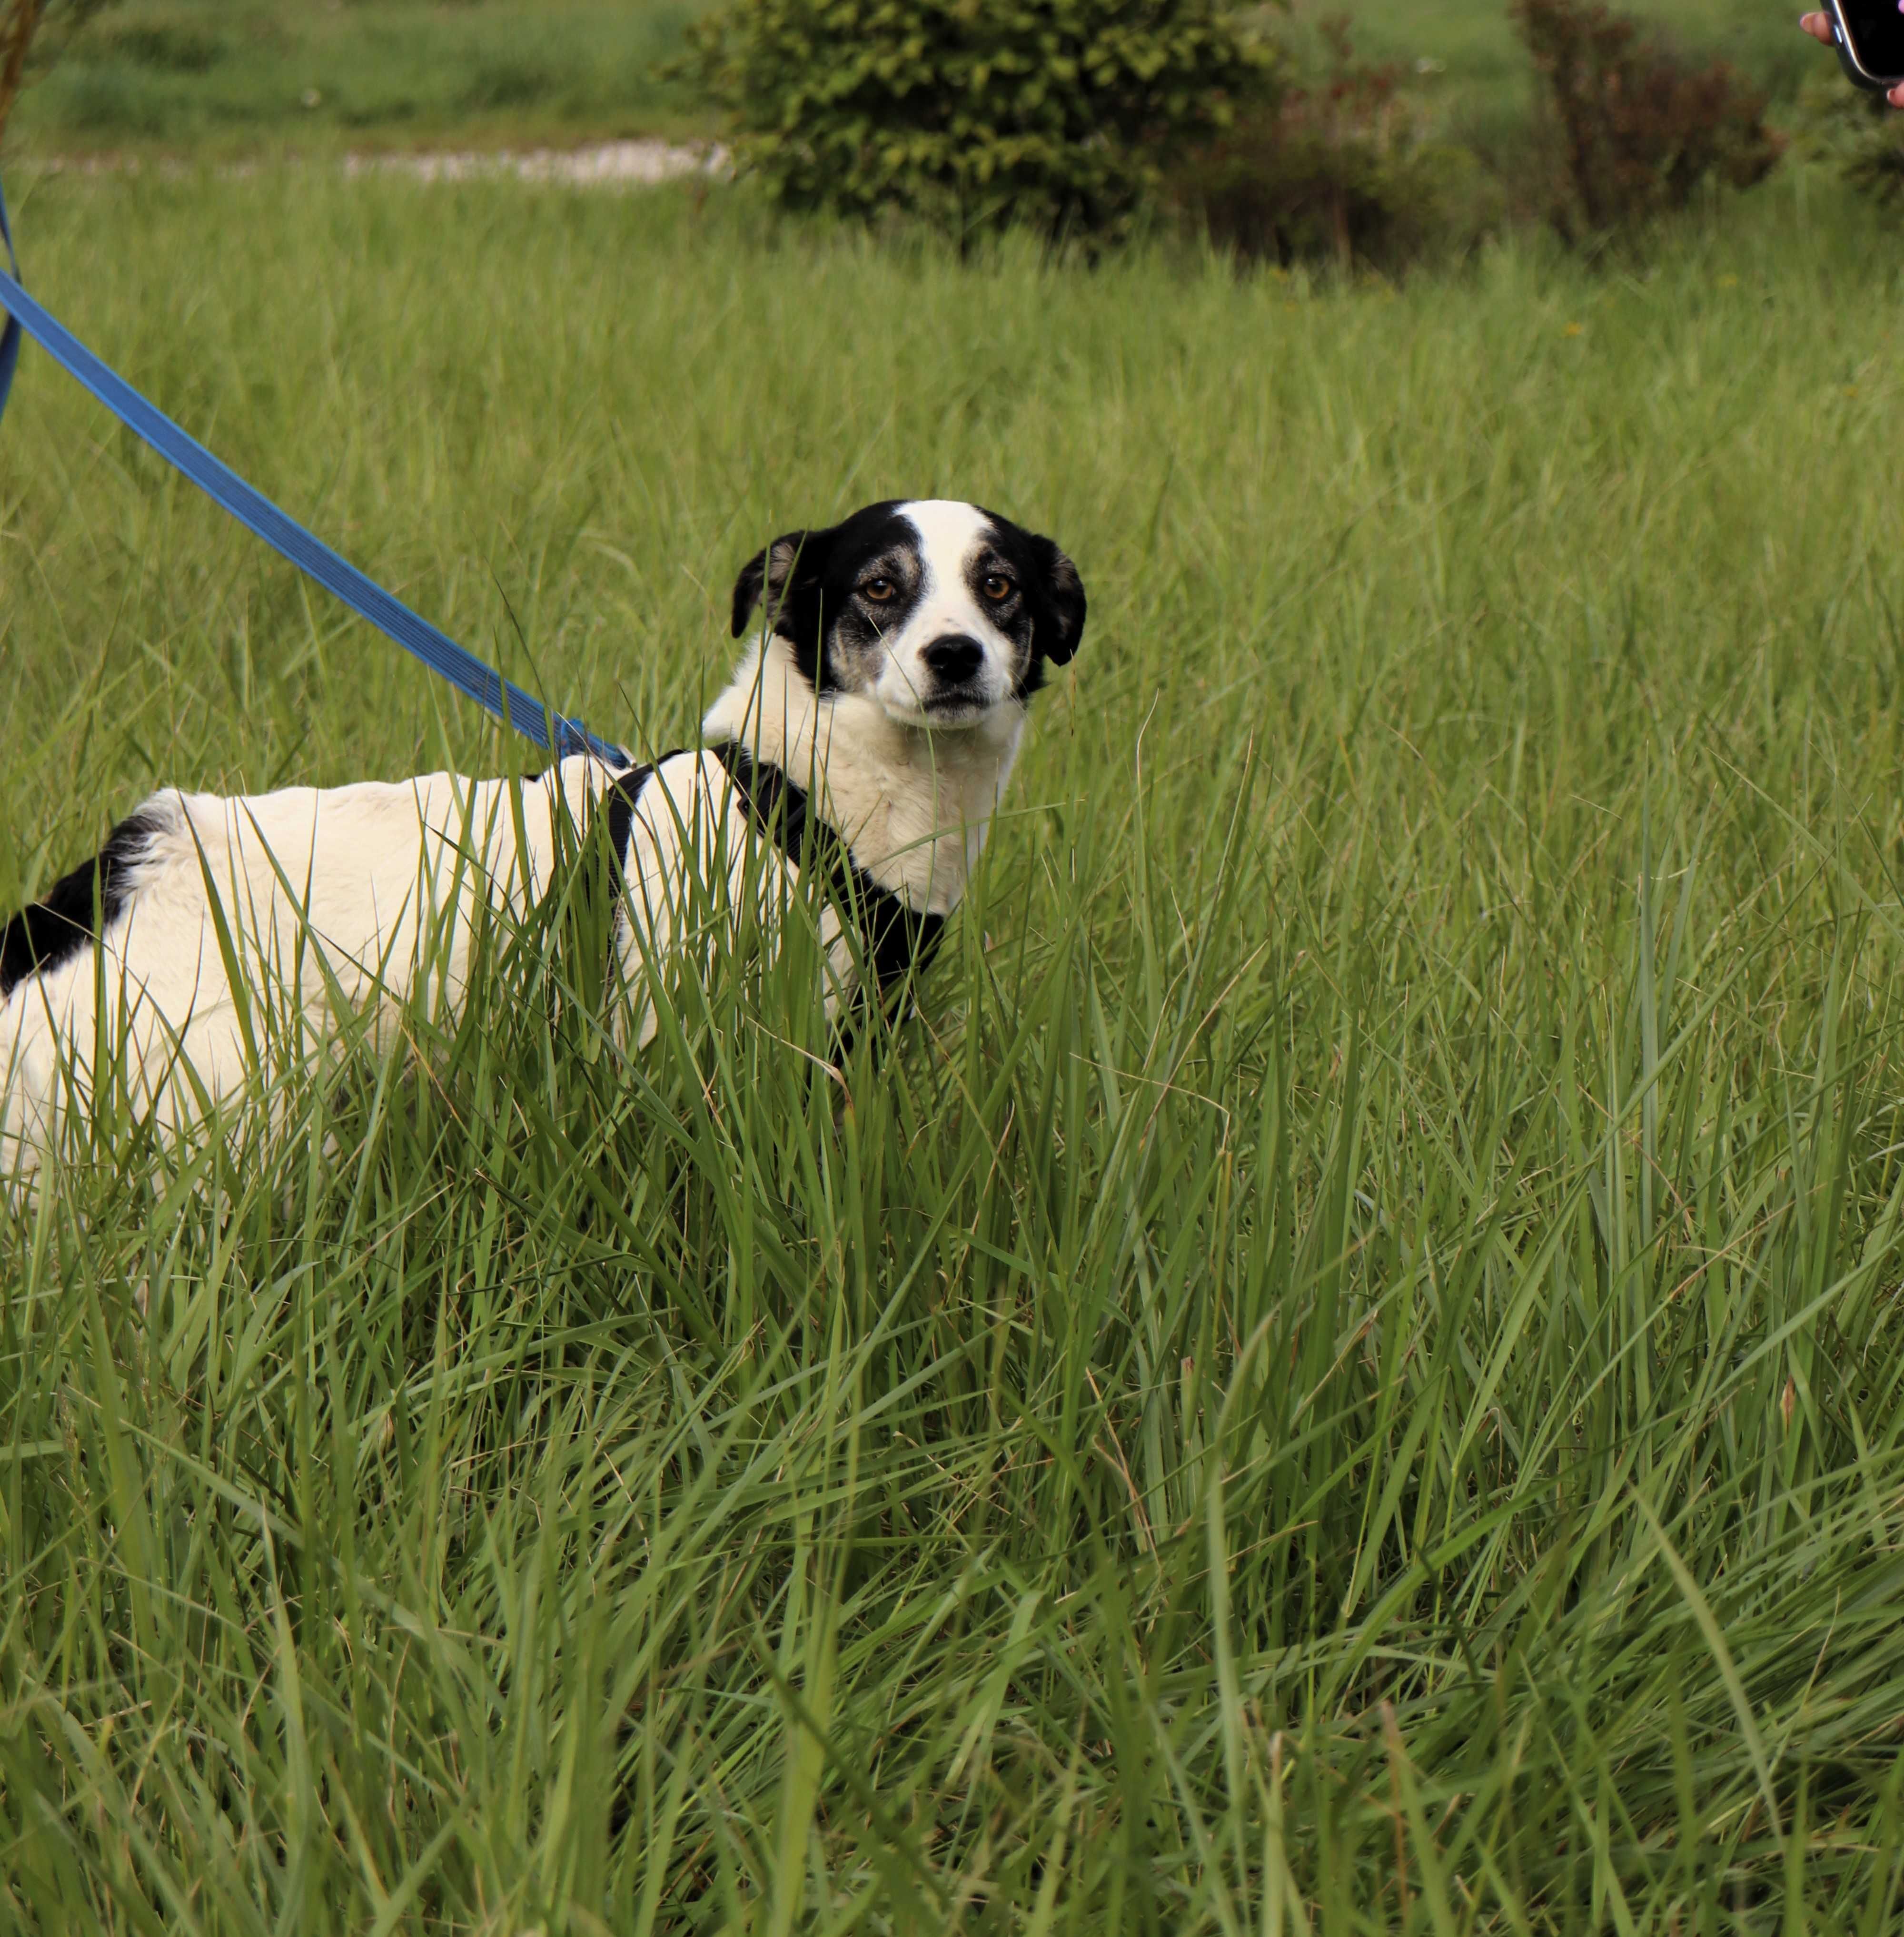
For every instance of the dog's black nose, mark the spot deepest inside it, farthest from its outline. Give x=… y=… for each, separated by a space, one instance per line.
x=954 y=659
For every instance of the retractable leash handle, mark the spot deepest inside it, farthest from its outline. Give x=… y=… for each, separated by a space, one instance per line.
x=468 y=673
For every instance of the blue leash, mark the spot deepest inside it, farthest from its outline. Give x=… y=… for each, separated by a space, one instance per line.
x=503 y=698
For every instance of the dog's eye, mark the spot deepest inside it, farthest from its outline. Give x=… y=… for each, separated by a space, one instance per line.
x=880 y=591
x=997 y=587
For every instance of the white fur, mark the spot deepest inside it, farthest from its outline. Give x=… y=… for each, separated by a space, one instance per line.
x=351 y=900
x=356 y=899
x=947 y=531
x=914 y=806
x=914 y=800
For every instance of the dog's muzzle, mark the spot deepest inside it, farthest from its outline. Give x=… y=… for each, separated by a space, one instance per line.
x=954 y=661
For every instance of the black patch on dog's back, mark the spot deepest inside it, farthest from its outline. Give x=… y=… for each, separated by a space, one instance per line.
x=54 y=929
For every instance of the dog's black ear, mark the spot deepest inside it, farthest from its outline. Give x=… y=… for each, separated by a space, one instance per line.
x=1061 y=619
x=766 y=572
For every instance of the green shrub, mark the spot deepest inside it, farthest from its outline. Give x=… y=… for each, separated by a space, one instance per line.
x=1859 y=134
x=1638 y=130
x=977 y=113
x=1345 y=169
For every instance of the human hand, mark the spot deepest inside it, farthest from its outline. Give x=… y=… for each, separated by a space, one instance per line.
x=1818 y=25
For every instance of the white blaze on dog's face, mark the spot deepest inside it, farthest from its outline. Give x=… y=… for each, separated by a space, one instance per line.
x=939 y=611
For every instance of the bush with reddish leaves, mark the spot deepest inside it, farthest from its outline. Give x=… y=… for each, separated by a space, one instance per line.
x=1638 y=131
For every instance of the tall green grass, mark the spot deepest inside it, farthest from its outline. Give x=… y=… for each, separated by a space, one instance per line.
x=1342 y=1375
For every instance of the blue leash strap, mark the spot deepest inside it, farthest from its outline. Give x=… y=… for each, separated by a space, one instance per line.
x=502 y=697
x=9 y=336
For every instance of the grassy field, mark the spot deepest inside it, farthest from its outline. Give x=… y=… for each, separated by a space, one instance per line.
x=1344 y=1374
x=221 y=76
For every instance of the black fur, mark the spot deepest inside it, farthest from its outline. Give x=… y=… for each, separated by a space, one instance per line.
x=1047 y=613
x=624 y=790
x=77 y=907
x=893 y=937
x=808 y=578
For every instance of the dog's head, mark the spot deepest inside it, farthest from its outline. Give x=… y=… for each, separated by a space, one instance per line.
x=938 y=611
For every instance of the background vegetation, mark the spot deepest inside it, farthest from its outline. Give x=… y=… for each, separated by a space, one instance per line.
x=232 y=72
x=1379 y=137
x=1053 y=115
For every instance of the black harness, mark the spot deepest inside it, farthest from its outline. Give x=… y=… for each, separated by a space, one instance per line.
x=893 y=938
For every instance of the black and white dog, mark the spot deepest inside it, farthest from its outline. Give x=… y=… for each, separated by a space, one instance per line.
x=870 y=731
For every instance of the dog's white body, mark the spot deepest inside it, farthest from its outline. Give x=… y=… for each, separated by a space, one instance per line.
x=326 y=901
x=354 y=900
